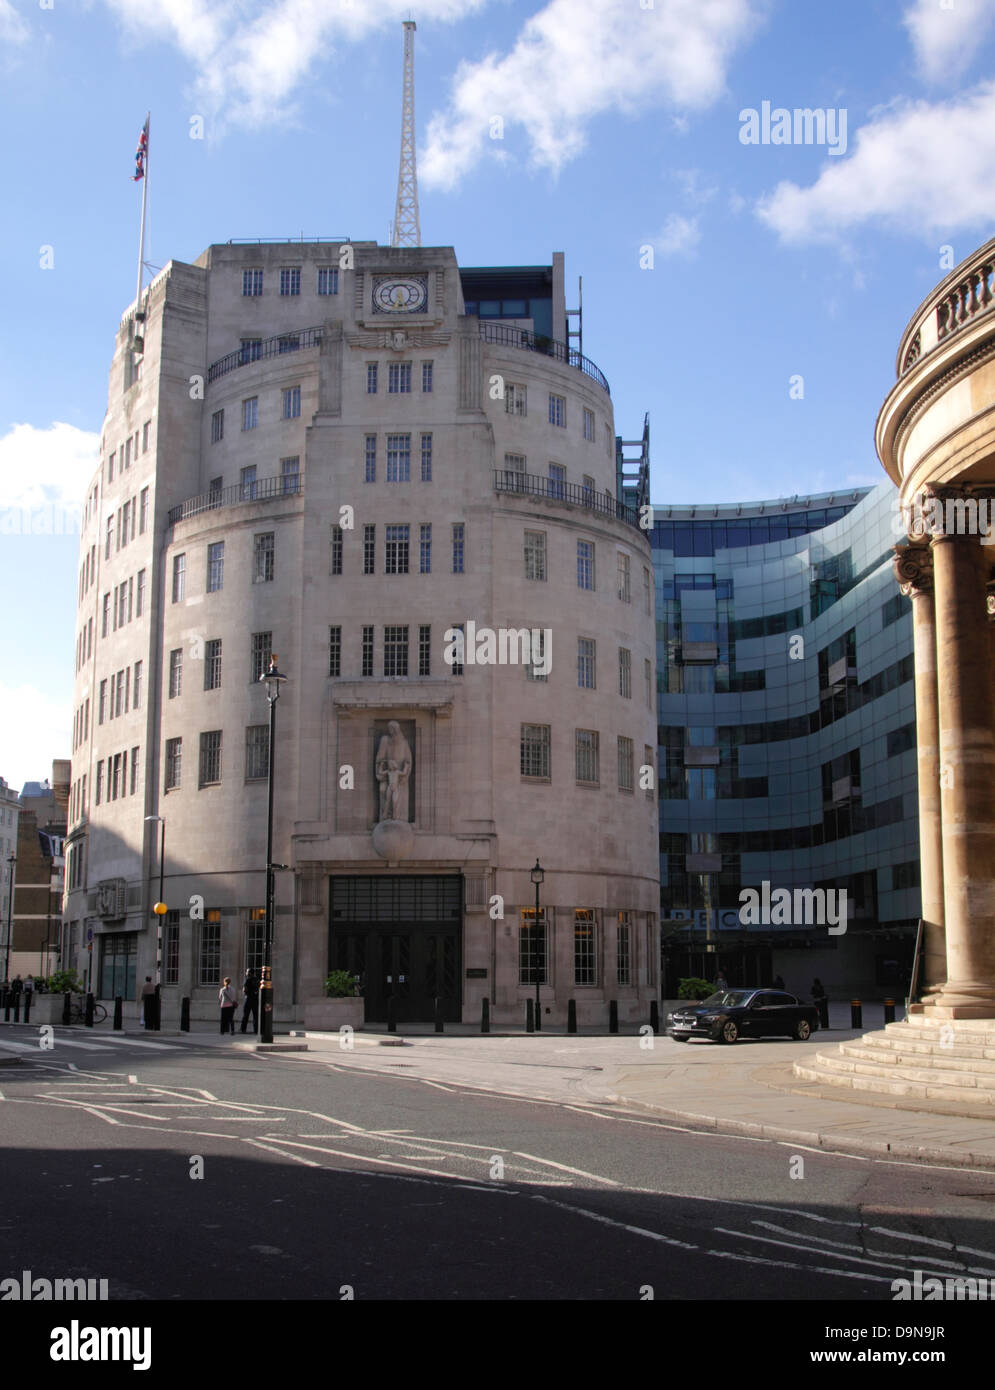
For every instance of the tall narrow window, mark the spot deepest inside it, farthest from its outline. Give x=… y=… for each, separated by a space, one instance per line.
x=335 y=540
x=247 y=482
x=256 y=752
x=328 y=279
x=174 y=760
x=625 y=673
x=259 y=654
x=625 y=760
x=335 y=651
x=291 y=403
x=536 y=668
x=588 y=423
x=371 y=378
x=585 y=564
x=647 y=591
x=515 y=399
x=425 y=650
x=262 y=557
x=399 y=458
x=290 y=475
x=532 y=947
x=426 y=376
x=250 y=413
x=624 y=590
x=398 y=378
x=171 y=959
x=586 y=654
x=395 y=651
x=136 y=686
x=623 y=949
x=459 y=537
x=557 y=410
x=140 y=594
x=144 y=511
x=369 y=549
x=535 y=555
x=426 y=458
x=585 y=958
x=215 y=567
x=209 y=956
x=367 y=669
x=133 y=785
x=458 y=641
x=210 y=758
x=370 y=475
x=217 y=426
x=425 y=549
x=587 y=756
x=106 y=614
x=535 y=751
x=212 y=664
x=396 y=550
x=175 y=672
x=179 y=577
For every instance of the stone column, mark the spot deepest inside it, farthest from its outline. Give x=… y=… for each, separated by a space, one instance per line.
x=967 y=775
x=914 y=572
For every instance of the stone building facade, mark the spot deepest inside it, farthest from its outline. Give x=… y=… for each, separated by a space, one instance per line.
x=342 y=453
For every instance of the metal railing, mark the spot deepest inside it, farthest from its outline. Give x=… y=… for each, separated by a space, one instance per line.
x=505 y=335
x=290 y=485
x=282 y=344
x=533 y=485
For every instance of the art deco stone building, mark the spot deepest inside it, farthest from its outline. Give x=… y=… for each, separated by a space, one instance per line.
x=339 y=453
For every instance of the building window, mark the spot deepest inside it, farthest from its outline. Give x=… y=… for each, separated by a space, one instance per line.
x=179 y=577
x=426 y=458
x=395 y=651
x=514 y=472
x=371 y=459
x=425 y=549
x=290 y=279
x=625 y=769
x=335 y=652
x=210 y=758
x=255 y=940
x=143 y=523
x=649 y=769
x=588 y=489
x=109 y=537
x=102 y=702
x=290 y=475
x=623 y=949
x=459 y=537
x=367 y=651
x=588 y=423
x=557 y=410
x=146 y=431
x=371 y=378
x=426 y=376
x=369 y=549
x=585 y=564
x=536 y=670
x=209 y=956
x=247 y=483
x=328 y=279
x=140 y=594
x=648 y=682
x=105 y=615
x=424 y=650
x=624 y=589
x=110 y=467
x=535 y=555
x=335 y=537
x=215 y=567
x=557 y=481
x=291 y=402
x=587 y=756
x=398 y=378
x=514 y=399
x=398 y=458
x=100 y=783
x=262 y=557
x=532 y=952
x=458 y=648
x=252 y=282
x=215 y=488
x=289 y=342
x=586 y=654
x=175 y=672
x=585 y=962
x=136 y=686
x=171 y=955
x=259 y=655
x=625 y=673
x=217 y=426
x=250 y=413
x=114 y=782
x=133 y=784
x=251 y=349
x=535 y=751
x=396 y=550
x=212 y=664
x=256 y=752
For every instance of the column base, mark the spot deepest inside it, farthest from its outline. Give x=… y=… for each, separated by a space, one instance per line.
x=960 y=999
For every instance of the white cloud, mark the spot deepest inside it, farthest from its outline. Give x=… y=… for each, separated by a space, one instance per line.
x=572 y=63
x=679 y=237
x=12 y=27
x=43 y=731
x=946 y=37
x=908 y=172
x=44 y=475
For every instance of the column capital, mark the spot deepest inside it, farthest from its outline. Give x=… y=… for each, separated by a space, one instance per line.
x=944 y=511
x=913 y=566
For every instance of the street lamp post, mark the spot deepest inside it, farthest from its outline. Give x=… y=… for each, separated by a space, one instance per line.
x=160 y=909
x=12 y=860
x=273 y=680
x=538 y=875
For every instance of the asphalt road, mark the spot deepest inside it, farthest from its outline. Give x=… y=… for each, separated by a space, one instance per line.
x=177 y=1172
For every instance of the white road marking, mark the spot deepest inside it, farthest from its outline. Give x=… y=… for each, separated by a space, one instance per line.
x=140 y=1042
x=436 y=1085
x=565 y=1168
x=270 y=1148
x=133 y=1080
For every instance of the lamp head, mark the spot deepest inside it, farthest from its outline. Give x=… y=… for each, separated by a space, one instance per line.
x=538 y=873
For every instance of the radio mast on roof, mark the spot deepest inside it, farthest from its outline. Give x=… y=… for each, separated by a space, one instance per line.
x=407 y=228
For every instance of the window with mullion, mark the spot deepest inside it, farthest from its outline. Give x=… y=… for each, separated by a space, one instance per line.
x=586 y=655
x=532 y=952
x=424 y=650
x=623 y=949
x=369 y=549
x=335 y=536
x=290 y=280
x=586 y=747
x=398 y=378
x=585 y=955
x=212 y=664
x=396 y=550
x=371 y=459
x=425 y=549
x=367 y=651
x=256 y=752
x=262 y=646
x=395 y=651
x=399 y=458
x=535 y=751
x=426 y=458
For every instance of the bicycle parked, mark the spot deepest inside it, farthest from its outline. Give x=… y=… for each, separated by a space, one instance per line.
x=77 y=1012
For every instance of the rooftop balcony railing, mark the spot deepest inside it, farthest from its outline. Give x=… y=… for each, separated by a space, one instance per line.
x=289 y=485
x=265 y=347
x=963 y=297
x=533 y=485
x=506 y=335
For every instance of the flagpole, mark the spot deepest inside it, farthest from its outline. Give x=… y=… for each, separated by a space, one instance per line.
x=145 y=199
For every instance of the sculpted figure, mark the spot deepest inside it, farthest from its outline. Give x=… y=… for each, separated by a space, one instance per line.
x=393 y=769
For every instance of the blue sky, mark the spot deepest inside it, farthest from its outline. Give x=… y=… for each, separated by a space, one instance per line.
x=621 y=132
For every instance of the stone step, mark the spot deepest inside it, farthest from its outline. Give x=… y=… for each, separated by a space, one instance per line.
x=927 y=1047
x=891 y=1079
x=975 y=1031
x=943 y=1057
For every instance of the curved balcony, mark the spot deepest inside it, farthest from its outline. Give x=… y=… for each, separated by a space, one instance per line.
x=283 y=343
x=534 y=485
x=966 y=293
x=506 y=335
x=288 y=485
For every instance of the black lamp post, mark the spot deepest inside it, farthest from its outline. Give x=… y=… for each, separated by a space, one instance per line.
x=538 y=875
x=160 y=909
x=12 y=860
x=274 y=680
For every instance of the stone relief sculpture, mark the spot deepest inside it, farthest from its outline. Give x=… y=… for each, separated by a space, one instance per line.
x=393 y=769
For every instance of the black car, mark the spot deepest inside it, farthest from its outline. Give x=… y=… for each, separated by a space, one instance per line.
x=745 y=1013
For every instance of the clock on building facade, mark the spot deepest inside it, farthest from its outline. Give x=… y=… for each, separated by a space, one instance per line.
x=407 y=294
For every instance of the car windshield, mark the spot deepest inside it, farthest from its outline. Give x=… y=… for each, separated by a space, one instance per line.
x=729 y=998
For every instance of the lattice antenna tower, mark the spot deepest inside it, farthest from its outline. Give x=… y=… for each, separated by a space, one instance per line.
x=407 y=228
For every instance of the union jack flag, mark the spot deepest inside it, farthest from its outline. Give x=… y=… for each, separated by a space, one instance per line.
x=141 y=153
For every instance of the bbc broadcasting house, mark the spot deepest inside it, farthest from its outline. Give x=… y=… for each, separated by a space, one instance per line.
x=341 y=453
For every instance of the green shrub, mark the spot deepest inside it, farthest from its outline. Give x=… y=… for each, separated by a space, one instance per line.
x=62 y=980
x=340 y=985
x=693 y=988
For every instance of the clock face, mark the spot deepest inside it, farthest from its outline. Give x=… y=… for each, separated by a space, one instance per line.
x=400 y=295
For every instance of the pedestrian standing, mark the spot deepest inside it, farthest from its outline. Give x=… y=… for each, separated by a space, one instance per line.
x=148 y=1003
x=29 y=985
x=227 y=998
x=16 y=985
x=720 y=980
x=778 y=982
x=250 y=988
x=818 y=990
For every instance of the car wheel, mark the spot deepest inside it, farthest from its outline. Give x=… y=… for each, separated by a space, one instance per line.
x=679 y=1037
x=803 y=1030
x=729 y=1032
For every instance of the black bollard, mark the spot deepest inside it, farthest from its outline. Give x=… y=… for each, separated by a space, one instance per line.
x=67 y=1005
x=157 y=1009
x=571 y=1015
x=185 y=1015
x=889 y=1011
x=856 y=1014
x=392 y=1014
x=655 y=1017
x=6 y=1006
x=118 y=1013
x=88 y=1016
x=439 y=1024
x=823 y=1006
x=29 y=994
x=485 y=1015
x=529 y=1024
x=613 y=1015
x=17 y=1008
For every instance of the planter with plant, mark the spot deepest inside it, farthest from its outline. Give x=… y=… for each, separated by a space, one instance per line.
x=340 y=1006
